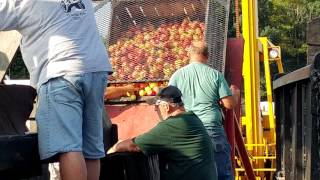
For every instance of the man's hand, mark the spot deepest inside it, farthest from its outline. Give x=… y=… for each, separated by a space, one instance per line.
x=235 y=93
x=124 y=146
x=117 y=92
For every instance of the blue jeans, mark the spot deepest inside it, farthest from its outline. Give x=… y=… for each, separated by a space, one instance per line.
x=222 y=155
x=69 y=115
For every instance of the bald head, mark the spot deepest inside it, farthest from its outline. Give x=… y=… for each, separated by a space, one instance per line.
x=199 y=52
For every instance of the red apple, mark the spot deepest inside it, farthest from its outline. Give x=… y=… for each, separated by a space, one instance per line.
x=153 y=93
x=156 y=89
x=149 y=92
x=149 y=60
x=159 y=60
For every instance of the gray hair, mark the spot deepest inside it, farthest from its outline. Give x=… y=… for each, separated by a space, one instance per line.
x=179 y=104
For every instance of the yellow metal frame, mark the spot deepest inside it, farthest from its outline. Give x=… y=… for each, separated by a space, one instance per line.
x=266 y=47
x=251 y=73
x=260 y=129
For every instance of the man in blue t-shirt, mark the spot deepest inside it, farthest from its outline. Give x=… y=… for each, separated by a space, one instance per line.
x=204 y=90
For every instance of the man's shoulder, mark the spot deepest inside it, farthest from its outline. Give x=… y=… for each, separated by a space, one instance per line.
x=184 y=116
x=212 y=72
x=188 y=114
x=203 y=67
x=182 y=69
x=211 y=69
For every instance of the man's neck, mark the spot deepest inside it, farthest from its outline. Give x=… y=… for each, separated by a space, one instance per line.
x=197 y=58
x=177 y=112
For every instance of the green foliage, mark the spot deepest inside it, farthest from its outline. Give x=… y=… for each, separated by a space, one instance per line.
x=284 y=22
x=17 y=69
x=231 y=22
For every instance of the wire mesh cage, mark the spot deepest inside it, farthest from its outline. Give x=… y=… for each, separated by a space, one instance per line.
x=216 y=31
x=149 y=40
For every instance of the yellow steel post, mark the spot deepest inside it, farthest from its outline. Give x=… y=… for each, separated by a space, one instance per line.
x=251 y=73
x=267 y=75
x=256 y=146
x=279 y=62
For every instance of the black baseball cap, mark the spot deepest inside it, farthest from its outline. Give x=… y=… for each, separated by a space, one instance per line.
x=170 y=94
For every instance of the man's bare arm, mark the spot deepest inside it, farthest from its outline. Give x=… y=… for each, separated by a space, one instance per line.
x=117 y=92
x=230 y=101
x=124 y=146
x=227 y=102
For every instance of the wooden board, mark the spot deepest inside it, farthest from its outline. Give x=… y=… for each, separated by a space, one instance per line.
x=313 y=39
x=313 y=35
x=9 y=43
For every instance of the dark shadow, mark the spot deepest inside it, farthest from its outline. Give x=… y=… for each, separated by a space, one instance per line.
x=110 y=131
x=130 y=166
x=316 y=62
x=15 y=108
x=19 y=155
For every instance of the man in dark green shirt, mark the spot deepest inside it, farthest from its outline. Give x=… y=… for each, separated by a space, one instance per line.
x=180 y=139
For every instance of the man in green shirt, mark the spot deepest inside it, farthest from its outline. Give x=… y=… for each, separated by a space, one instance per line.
x=180 y=139
x=204 y=90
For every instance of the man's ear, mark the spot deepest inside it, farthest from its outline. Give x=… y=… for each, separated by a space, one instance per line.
x=167 y=107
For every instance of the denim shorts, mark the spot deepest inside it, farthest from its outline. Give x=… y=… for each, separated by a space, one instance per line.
x=69 y=115
x=222 y=154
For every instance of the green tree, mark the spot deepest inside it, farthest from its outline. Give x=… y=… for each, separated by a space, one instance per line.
x=284 y=22
x=17 y=69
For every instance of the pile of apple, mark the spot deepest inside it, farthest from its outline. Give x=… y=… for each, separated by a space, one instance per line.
x=151 y=89
x=150 y=53
x=146 y=89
